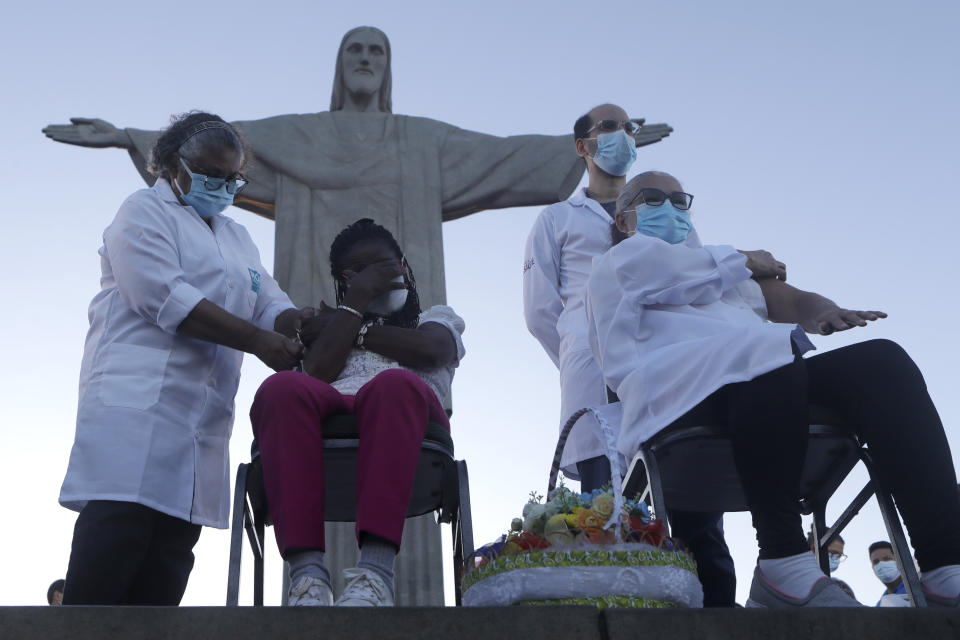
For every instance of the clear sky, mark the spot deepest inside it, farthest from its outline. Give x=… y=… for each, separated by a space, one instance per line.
x=825 y=132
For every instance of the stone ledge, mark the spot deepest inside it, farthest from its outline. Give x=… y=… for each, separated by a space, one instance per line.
x=524 y=623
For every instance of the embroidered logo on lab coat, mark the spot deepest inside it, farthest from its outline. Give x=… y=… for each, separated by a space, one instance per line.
x=254 y=280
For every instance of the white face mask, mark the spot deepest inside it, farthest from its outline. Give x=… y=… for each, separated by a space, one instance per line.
x=389 y=302
x=886 y=571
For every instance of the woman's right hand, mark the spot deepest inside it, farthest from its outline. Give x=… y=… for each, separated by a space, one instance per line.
x=277 y=351
x=372 y=281
x=88 y=132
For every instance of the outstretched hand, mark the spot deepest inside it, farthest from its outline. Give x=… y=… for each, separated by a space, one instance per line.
x=837 y=319
x=87 y=132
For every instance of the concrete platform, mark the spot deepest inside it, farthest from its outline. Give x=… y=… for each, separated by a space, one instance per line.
x=523 y=623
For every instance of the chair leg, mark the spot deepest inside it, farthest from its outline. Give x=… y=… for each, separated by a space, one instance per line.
x=462 y=530
x=901 y=550
x=236 y=535
x=258 y=559
x=655 y=484
x=819 y=527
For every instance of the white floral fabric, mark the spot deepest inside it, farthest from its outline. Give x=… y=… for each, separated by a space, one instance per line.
x=362 y=365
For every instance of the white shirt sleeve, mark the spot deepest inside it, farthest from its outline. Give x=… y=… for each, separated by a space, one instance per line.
x=651 y=271
x=444 y=315
x=542 y=303
x=143 y=254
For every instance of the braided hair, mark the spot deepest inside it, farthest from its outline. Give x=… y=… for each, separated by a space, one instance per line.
x=188 y=134
x=364 y=230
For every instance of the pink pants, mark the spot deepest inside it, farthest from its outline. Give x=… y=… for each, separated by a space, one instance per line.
x=392 y=413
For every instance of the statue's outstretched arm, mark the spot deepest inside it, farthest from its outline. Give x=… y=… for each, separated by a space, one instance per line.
x=89 y=132
x=651 y=133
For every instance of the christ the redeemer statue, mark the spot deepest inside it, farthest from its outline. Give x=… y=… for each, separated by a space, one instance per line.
x=316 y=173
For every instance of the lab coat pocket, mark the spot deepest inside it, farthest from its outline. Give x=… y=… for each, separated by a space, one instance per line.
x=132 y=375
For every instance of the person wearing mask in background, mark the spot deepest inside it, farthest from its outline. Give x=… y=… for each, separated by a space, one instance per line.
x=885 y=567
x=183 y=295
x=835 y=556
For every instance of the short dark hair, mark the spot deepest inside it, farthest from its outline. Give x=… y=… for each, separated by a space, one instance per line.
x=881 y=544
x=56 y=586
x=581 y=128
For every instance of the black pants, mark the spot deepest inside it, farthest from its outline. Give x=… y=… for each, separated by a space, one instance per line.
x=127 y=554
x=702 y=533
x=881 y=395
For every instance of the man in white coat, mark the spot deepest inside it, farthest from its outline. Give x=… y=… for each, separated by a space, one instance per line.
x=559 y=254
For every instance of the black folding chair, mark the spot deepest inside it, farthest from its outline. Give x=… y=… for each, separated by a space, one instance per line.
x=690 y=467
x=440 y=485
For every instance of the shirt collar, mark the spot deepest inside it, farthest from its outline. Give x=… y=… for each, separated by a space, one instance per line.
x=580 y=199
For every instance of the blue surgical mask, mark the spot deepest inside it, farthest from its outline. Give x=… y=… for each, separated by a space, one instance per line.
x=834 y=562
x=886 y=571
x=664 y=222
x=615 y=152
x=206 y=202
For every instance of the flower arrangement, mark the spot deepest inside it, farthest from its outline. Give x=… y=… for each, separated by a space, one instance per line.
x=570 y=520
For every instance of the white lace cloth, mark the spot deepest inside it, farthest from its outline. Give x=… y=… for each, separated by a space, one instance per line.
x=665 y=583
x=362 y=365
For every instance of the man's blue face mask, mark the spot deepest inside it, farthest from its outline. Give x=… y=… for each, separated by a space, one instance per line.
x=616 y=152
x=208 y=196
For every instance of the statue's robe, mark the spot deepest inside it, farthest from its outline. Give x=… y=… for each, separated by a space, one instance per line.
x=316 y=173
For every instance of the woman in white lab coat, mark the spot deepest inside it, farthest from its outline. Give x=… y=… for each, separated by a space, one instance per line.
x=183 y=295
x=680 y=330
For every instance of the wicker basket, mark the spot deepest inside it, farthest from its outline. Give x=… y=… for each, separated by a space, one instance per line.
x=620 y=574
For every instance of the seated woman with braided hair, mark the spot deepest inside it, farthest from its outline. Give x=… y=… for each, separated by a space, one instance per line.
x=681 y=332
x=375 y=355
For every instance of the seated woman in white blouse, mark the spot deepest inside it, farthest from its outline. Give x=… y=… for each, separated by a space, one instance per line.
x=378 y=356
x=681 y=330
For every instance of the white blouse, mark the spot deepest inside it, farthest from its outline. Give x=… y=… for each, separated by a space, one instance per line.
x=362 y=365
x=156 y=408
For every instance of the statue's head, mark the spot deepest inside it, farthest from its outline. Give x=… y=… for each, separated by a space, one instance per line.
x=363 y=68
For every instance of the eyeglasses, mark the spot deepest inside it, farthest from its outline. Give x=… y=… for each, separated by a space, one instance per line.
x=839 y=557
x=631 y=127
x=653 y=197
x=234 y=184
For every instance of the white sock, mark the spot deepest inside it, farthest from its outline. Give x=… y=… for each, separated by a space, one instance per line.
x=943 y=581
x=793 y=575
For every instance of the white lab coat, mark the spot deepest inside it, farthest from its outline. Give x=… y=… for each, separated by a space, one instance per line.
x=671 y=324
x=156 y=409
x=559 y=254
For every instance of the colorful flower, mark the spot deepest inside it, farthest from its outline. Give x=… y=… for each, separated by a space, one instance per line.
x=557 y=531
x=602 y=505
x=587 y=518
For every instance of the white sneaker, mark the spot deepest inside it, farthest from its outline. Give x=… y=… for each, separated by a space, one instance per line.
x=310 y=592
x=364 y=589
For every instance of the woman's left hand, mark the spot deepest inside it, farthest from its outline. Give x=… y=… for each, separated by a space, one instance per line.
x=838 y=319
